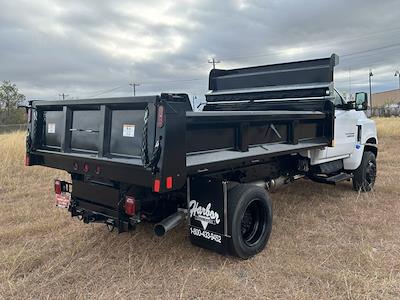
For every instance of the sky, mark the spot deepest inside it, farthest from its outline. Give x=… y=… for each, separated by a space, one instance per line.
x=90 y=48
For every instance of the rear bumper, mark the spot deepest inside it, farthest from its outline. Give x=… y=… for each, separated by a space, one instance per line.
x=93 y=213
x=102 y=204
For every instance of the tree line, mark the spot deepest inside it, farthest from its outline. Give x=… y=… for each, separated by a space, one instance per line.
x=10 y=98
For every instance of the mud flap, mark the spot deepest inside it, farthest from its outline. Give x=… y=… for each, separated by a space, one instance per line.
x=207 y=202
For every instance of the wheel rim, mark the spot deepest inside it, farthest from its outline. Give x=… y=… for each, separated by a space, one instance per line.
x=253 y=222
x=370 y=173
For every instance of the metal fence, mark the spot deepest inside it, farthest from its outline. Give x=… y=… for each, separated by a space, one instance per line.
x=11 y=128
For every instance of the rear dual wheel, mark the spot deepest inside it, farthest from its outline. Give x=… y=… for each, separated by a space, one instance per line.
x=249 y=220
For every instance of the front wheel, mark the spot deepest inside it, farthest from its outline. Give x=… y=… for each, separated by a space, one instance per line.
x=249 y=220
x=364 y=176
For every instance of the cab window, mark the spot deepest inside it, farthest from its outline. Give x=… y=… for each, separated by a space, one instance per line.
x=338 y=101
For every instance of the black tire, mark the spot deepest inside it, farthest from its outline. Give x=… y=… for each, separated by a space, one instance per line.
x=249 y=220
x=364 y=176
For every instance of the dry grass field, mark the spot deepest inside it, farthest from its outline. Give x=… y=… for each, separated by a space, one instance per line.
x=327 y=242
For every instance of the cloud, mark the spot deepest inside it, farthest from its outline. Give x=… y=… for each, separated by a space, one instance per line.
x=85 y=48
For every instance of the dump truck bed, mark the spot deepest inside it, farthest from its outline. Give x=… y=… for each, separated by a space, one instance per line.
x=142 y=140
x=204 y=141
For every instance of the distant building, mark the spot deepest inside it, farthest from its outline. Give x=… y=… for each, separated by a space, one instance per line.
x=386 y=98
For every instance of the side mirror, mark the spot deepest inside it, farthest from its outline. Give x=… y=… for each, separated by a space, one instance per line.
x=361 y=101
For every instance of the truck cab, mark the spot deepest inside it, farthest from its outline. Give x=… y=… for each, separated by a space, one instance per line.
x=354 y=133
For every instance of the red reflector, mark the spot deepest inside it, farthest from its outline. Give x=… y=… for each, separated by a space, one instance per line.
x=57 y=187
x=27 y=160
x=130 y=206
x=156 y=185
x=86 y=167
x=169 y=182
x=160 y=116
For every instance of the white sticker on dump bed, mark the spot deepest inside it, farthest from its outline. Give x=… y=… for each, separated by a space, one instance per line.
x=128 y=130
x=51 y=128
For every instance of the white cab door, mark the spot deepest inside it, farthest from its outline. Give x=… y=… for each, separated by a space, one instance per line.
x=345 y=132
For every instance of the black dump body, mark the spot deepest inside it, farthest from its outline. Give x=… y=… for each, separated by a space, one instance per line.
x=252 y=115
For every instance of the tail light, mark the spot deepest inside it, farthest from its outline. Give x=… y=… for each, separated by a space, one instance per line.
x=169 y=182
x=85 y=167
x=156 y=186
x=160 y=116
x=57 y=187
x=130 y=205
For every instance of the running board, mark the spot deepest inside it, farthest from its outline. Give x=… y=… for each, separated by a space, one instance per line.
x=332 y=179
